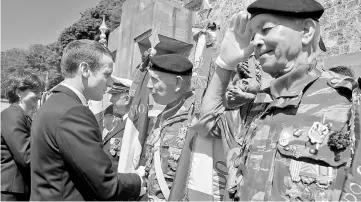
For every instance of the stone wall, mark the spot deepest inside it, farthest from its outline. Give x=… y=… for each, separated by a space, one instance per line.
x=140 y=18
x=340 y=24
x=340 y=29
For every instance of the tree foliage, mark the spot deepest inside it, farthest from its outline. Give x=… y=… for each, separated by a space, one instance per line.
x=44 y=60
x=87 y=27
x=38 y=59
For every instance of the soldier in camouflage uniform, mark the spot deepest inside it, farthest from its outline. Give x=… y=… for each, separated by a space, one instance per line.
x=301 y=135
x=170 y=85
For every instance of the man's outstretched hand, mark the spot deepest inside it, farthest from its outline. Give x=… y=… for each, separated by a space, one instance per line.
x=141 y=172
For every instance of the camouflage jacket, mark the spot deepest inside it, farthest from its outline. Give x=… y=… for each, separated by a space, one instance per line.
x=170 y=129
x=297 y=140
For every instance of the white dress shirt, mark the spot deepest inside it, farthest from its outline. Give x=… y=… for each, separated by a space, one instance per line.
x=78 y=93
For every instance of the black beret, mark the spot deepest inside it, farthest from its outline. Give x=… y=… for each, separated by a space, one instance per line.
x=292 y=8
x=108 y=110
x=172 y=64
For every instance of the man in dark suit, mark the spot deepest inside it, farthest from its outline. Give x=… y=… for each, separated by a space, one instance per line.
x=23 y=93
x=67 y=158
x=120 y=100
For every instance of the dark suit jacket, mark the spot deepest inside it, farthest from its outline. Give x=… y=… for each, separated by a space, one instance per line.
x=68 y=161
x=15 y=150
x=117 y=132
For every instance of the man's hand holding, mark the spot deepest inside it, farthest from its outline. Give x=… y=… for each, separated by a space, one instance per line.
x=141 y=172
x=237 y=96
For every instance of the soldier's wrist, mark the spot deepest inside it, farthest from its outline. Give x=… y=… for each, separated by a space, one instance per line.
x=141 y=179
x=222 y=64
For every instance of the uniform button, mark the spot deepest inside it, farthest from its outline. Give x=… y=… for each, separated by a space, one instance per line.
x=283 y=142
x=286 y=148
x=334 y=81
x=337 y=157
x=297 y=133
x=313 y=151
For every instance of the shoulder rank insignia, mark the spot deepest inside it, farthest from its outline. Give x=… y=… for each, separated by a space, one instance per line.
x=181 y=135
x=343 y=83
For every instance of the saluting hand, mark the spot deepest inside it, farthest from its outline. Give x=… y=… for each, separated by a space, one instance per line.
x=236 y=45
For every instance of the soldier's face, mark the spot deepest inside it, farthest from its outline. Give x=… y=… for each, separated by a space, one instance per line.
x=278 y=42
x=162 y=87
x=120 y=102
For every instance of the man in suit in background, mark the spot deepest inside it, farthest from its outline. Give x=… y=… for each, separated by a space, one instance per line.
x=23 y=93
x=121 y=103
x=67 y=159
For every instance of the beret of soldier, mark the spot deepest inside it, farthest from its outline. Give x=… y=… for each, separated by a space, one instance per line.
x=292 y=8
x=172 y=64
x=108 y=110
x=120 y=85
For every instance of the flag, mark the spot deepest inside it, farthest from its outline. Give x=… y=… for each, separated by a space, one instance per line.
x=206 y=5
x=202 y=170
x=154 y=40
x=136 y=126
x=201 y=173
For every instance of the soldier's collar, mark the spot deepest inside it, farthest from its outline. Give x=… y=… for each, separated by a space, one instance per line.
x=263 y=97
x=288 y=89
x=180 y=100
x=293 y=83
x=176 y=106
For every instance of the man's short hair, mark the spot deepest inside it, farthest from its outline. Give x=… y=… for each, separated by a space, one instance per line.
x=80 y=51
x=24 y=81
x=342 y=70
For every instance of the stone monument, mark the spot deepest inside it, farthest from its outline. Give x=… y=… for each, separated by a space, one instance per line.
x=141 y=18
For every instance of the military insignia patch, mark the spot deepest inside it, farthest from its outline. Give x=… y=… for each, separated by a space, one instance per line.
x=115 y=146
x=338 y=141
x=295 y=151
x=318 y=132
x=321 y=195
x=297 y=132
x=181 y=135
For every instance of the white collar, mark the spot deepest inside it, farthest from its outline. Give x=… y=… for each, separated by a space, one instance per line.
x=78 y=93
x=125 y=116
